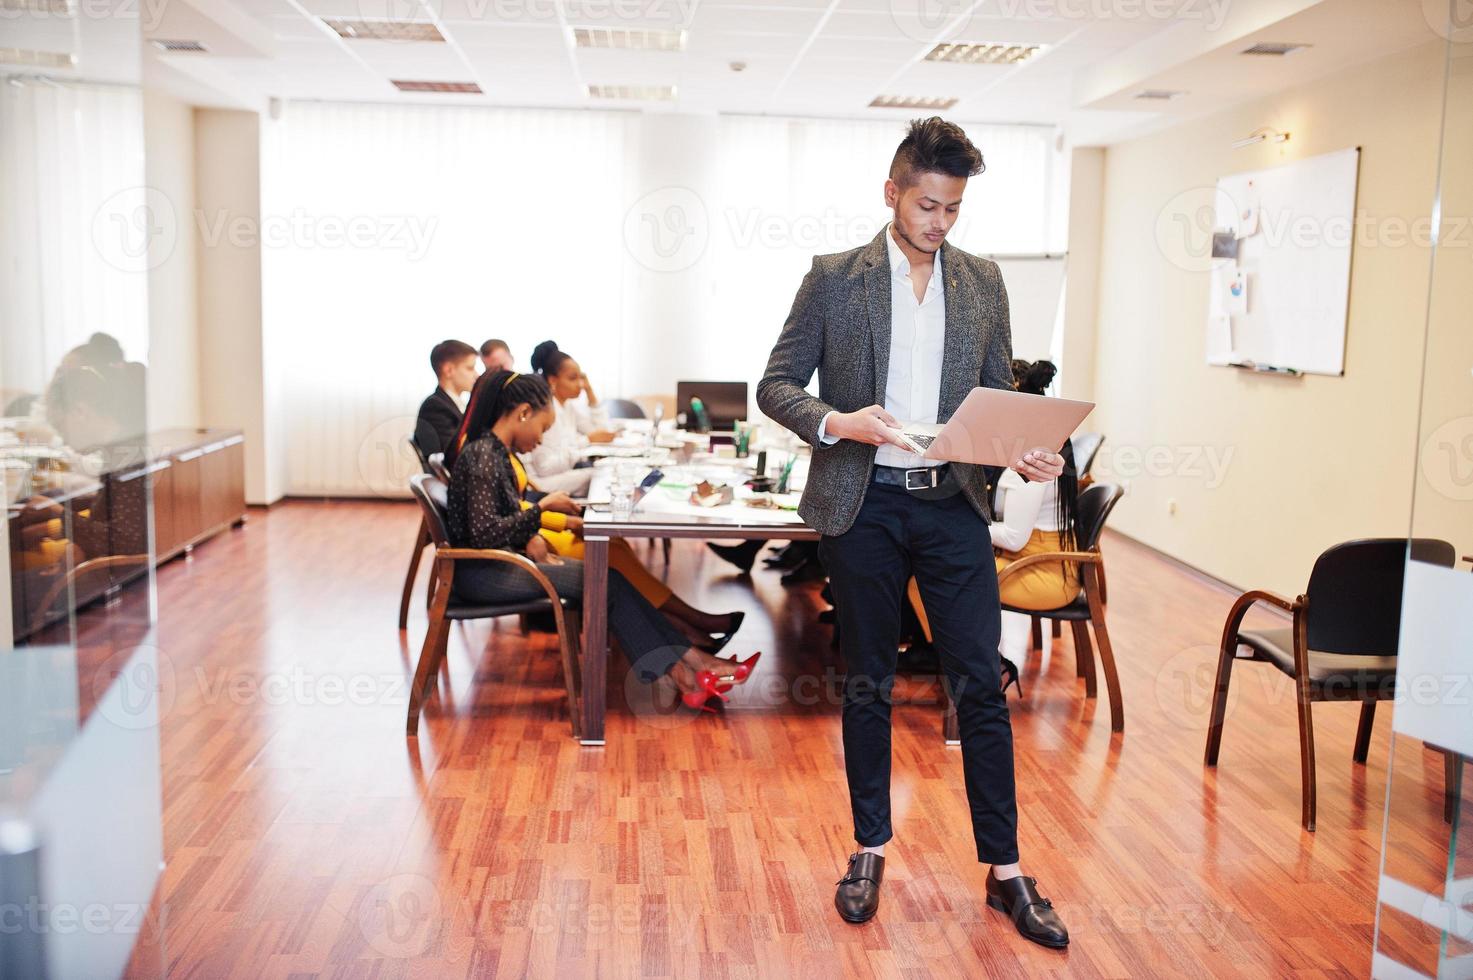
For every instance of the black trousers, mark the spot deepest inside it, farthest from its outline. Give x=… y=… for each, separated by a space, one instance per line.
x=649 y=640
x=943 y=542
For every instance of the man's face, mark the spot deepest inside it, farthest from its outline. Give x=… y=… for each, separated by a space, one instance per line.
x=461 y=375
x=498 y=360
x=926 y=210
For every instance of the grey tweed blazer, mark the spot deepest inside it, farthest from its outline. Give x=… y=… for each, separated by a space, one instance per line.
x=840 y=327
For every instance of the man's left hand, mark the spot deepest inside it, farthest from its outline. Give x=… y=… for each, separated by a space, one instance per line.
x=1040 y=465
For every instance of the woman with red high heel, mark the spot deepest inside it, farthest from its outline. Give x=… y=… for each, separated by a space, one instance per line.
x=509 y=412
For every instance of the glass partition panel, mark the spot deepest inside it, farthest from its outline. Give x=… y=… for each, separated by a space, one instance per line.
x=80 y=844
x=1424 y=923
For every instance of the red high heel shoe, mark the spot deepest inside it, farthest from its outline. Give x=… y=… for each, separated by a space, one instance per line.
x=744 y=668
x=707 y=688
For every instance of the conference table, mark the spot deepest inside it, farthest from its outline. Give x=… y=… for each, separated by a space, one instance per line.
x=667 y=512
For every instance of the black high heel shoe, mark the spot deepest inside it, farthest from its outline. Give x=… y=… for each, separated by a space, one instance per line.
x=1010 y=677
x=719 y=640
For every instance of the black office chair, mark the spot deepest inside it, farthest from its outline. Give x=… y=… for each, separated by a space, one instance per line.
x=435 y=464
x=1086 y=447
x=445 y=607
x=1088 y=606
x=421 y=538
x=1341 y=647
x=623 y=408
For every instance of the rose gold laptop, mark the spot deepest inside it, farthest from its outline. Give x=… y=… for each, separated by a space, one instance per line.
x=995 y=427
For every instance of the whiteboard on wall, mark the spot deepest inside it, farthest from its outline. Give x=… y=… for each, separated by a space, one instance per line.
x=1035 y=285
x=1281 y=302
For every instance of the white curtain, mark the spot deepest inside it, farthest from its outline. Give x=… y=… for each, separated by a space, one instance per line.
x=76 y=225
x=388 y=229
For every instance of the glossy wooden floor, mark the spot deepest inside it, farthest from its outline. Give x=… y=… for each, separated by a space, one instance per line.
x=306 y=837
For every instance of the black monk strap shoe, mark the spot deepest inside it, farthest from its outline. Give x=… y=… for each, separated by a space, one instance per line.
x=858 y=895
x=1033 y=914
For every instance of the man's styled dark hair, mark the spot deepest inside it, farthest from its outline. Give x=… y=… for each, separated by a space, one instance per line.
x=449 y=350
x=934 y=146
x=493 y=345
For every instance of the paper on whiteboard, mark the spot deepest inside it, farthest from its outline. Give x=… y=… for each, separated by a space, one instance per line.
x=1248 y=211
x=1236 y=300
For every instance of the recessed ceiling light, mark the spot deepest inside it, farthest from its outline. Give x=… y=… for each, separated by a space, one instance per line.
x=628 y=37
x=37 y=59
x=1159 y=94
x=384 y=30
x=640 y=93
x=984 y=52
x=1276 y=48
x=462 y=88
x=911 y=102
x=63 y=8
x=180 y=47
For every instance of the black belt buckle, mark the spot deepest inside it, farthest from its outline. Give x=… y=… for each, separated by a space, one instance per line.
x=922 y=478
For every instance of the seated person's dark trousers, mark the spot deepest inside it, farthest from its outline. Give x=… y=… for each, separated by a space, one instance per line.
x=945 y=544
x=648 y=639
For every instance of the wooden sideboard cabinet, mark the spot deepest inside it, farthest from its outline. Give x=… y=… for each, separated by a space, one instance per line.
x=198 y=483
x=187 y=485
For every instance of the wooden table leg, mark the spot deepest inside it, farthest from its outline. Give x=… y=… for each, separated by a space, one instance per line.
x=595 y=637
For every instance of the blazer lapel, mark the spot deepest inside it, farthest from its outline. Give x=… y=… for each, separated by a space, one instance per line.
x=959 y=359
x=877 y=302
x=445 y=397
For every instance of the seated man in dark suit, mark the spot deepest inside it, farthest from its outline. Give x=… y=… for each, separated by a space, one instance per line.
x=454 y=362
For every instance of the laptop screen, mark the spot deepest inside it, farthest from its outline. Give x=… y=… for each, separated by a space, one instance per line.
x=725 y=401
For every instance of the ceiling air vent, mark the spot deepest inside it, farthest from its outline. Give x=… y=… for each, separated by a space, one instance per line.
x=180 y=47
x=461 y=88
x=637 y=93
x=636 y=39
x=984 y=53
x=911 y=102
x=1275 y=48
x=384 y=30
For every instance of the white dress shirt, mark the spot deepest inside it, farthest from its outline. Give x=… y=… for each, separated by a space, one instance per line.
x=1024 y=506
x=917 y=344
x=562 y=448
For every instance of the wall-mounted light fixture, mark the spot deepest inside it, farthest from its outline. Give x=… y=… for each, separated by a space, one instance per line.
x=1264 y=135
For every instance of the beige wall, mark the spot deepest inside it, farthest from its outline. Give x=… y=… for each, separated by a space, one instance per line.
x=1444 y=487
x=1265 y=472
x=1082 y=280
x=173 y=315
x=227 y=170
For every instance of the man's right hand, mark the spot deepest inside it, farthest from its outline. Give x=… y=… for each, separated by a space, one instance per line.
x=873 y=426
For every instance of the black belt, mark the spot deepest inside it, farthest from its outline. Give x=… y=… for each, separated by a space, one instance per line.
x=919 y=478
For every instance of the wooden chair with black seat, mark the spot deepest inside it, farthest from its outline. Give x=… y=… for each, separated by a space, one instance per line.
x=623 y=408
x=1088 y=607
x=1340 y=647
x=421 y=540
x=1086 y=447
x=445 y=608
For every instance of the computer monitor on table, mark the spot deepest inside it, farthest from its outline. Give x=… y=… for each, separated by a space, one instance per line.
x=725 y=401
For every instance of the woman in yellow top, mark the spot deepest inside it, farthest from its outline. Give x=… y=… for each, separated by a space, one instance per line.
x=1034 y=518
x=564 y=535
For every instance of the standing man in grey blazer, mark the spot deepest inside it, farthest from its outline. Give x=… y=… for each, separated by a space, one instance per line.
x=898 y=330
